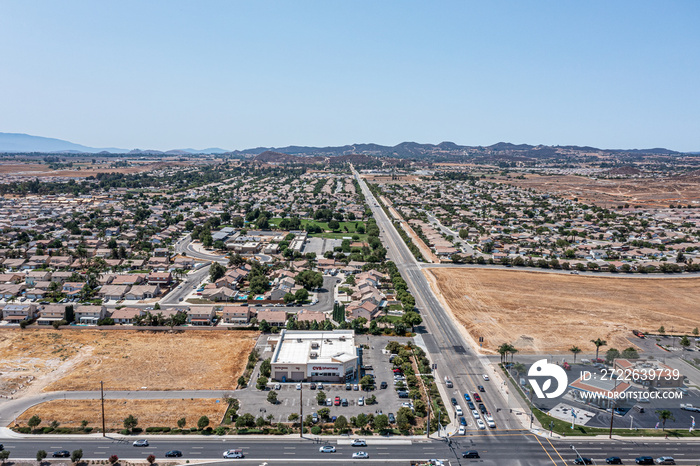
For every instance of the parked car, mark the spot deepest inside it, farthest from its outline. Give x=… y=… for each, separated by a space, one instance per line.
x=278 y=386
x=348 y=386
x=141 y=443
x=644 y=460
x=356 y=387
x=613 y=460
x=57 y=454
x=173 y=454
x=360 y=455
x=233 y=454
x=329 y=402
x=358 y=442
x=344 y=402
x=471 y=454
x=314 y=417
x=337 y=401
x=298 y=386
x=312 y=386
x=320 y=386
x=327 y=449
x=392 y=418
x=361 y=401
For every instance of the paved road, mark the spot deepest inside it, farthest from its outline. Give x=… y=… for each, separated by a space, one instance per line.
x=448 y=347
x=511 y=448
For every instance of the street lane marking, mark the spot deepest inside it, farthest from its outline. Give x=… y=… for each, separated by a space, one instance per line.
x=545 y=450
x=557 y=451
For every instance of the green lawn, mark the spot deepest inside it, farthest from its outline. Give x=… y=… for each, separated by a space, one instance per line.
x=324 y=226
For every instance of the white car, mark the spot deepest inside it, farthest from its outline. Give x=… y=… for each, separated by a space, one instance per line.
x=462 y=430
x=298 y=386
x=475 y=413
x=358 y=442
x=327 y=449
x=141 y=443
x=320 y=386
x=480 y=424
x=360 y=455
x=361 y=401
x=486 y=377
x=278 y=386
x=233 y=454
x=490 y=422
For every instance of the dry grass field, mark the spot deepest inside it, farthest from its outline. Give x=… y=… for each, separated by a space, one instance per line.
x=150 y=413
x=123 y=359
x=86 y=168
x=549 y=313
x=645 y=192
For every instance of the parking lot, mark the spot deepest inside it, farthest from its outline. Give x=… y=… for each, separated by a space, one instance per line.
x=255 y=402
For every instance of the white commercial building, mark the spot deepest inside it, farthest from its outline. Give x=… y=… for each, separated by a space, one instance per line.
x=314 y=356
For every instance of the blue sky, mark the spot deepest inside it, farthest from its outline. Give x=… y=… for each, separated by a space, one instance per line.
x=174 y=74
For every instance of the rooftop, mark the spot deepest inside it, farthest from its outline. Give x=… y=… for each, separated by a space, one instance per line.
x=299 y=347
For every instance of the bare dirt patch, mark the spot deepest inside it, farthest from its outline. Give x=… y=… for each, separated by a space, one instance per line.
x=549 y=313
x=123 y=359
x=150 y=413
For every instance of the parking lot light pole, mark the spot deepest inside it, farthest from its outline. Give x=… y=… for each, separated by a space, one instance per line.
x=301 y=411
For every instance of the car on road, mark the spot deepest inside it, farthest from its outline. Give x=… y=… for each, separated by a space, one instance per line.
x=383 y=385
x=481 y=388
x=489 y=421
x=233 y=454
x=480 y=424
x=278 y=386
x=486 y=377
x=462 y=430
x=360 y=455
x=458 y=410
x=327 y=449
x=471 y=405
x=462 y=421
x=173 y=454
x=59 y=454
x=644 y=460
x=613 y=460
x=482 y=408
x=470 y=454
x=665 y=460
x=358 y=442
x=582 y=460
x=454 y=401
x=477 y=398
x=140 y=443
x=467 y=397
x=475 y=413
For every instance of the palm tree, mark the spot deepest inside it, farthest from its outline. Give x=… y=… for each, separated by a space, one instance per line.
x=598 y=343
x=575 y=350
x=512 y=350
x=664 y=415
x=503 y=350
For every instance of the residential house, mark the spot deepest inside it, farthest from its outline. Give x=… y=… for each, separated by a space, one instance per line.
x=159 y=278
x=51 y=313
x=236 y=314
x=113 y=292
x=201 y=316
x=88 y=314
x=16 y=313
x=140 y=292
x=274 y=318
x=126 y=315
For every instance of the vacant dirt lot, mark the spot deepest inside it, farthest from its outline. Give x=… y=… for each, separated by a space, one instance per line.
x=86 y=168
x=31 y=360
x=150 y=413
x=549 y=313
x=645 y=192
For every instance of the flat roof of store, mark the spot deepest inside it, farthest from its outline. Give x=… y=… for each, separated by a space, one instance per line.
x=295 y=347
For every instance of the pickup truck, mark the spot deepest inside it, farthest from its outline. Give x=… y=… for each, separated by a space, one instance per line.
x=689 y=407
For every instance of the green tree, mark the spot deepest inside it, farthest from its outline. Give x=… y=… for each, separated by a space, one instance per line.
x=664 y=415
x=203 y=422
x=341 y=423
x=261 y=384
x=34 y=421
x=334 y=225
x=412 y=319
x=272 y=397
x=266 y=367
x=361 y=421
x=76 y=456
x=611 y=355
x=576 y=350
x=41 y=456
x=629 y=353
x=4 y=455
x=381 y=422
x=216 y=271
x=598 y=343
x=321 y=397
x=685 y=342
x=301 y=295
x=696 y=332
x=130 y=422
x=181 y=422
x=662 y=330
x=309 y=279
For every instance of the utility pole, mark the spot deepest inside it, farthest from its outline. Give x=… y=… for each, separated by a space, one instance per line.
x=427 y=427
x=301 y=411
x=102 y=397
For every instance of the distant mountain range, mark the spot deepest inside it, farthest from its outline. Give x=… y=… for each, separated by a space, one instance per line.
x=445 y=151
x=25 y=143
